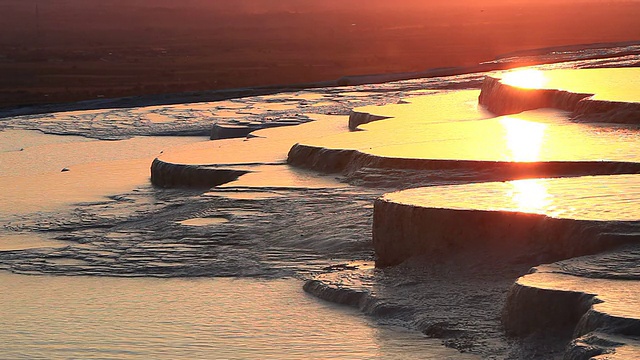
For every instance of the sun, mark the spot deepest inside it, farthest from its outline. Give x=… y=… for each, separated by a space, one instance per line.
x=529 y=78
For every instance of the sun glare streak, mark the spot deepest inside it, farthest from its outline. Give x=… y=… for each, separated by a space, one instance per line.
x=530 y=79
x=530 y=196
x=523 y=138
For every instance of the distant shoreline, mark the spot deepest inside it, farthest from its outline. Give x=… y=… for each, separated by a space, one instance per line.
x=52 y=54
x=505 y=62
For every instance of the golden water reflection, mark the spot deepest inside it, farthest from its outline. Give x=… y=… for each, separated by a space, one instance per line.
x=526 y=78
x=438 y=127
x=608 y=198
x=617 y=84
x=523 y=138
x=530 y=195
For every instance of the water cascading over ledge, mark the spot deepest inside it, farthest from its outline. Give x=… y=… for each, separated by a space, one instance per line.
x=549 y=219
x=550 y=298
x=588 y=226
x=503 y=98
x=349 y=161
x=403 y=231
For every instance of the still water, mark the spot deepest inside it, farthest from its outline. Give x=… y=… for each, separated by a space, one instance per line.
x=202 y=318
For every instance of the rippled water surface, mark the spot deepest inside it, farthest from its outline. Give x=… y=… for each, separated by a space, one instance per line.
x=202 y=318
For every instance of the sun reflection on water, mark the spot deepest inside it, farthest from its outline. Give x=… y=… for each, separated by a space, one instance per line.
x=523 y=138
x=530 y=195
x=529 y=79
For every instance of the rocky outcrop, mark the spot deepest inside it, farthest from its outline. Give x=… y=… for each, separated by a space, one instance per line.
x=531 y=309
x=600 y=314
x=226 y=130
x=592 y=110
x=595 y=319
x=357 y=118
x=230 y=131
x=347 y=161
x=603 y=346
x=402 y=231
x=503 y=99
x=170 y=175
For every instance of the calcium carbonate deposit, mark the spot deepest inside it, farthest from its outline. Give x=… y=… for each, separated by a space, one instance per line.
x=483 y=215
